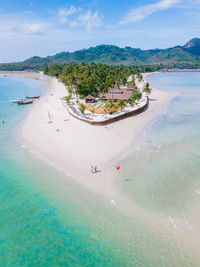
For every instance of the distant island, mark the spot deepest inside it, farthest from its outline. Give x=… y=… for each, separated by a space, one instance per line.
x=186 y=56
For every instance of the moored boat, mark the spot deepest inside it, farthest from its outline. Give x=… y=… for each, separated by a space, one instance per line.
x=16 y=100
x=24 y=102
x=32 y=97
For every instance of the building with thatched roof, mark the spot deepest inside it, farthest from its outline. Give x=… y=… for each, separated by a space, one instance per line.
x=123 y=94
x=89 y=99
x=115 y=90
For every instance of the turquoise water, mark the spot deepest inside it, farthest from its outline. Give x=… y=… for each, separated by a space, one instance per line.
x=46 y=220
x=39 y=223
x=163 y=176
x=170 y=151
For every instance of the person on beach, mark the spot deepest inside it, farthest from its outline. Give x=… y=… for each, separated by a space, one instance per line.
x=3 y=121
x=118 y=167
x=95 y=169
x=92 y=169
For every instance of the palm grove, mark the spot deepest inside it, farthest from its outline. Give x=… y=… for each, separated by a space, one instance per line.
x=95 y=79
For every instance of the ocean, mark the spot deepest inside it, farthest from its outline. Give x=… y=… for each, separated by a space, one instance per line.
x=47 y=220
x=41 y=221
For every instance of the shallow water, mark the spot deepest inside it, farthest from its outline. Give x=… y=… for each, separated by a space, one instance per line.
x=40 y=224
x=166 y=169
x=163 y=176
x=47 y=220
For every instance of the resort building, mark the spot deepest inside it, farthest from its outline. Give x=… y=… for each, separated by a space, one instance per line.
x=115 y=90
x=123 y=94
x=115 y=93
x=89 y=99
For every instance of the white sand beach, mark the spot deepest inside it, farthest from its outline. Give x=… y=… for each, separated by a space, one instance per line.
x=73 y=146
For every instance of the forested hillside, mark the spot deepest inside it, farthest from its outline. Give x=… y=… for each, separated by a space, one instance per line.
x=187 y=56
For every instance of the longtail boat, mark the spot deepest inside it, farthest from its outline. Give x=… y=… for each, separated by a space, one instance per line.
x=16 y=100
x=32 y=97
x=24 y=102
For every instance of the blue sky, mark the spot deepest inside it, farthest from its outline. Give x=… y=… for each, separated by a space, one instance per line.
x=46 y=27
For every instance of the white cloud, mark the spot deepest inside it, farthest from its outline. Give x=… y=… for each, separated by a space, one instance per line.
x=142 y=12
x=64 y=13
x=32 y=28
x=16 y=24
x=77 y=18
x=90 y=21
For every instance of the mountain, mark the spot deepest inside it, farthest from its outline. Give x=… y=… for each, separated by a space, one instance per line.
x=193 y=46
x=110 y=54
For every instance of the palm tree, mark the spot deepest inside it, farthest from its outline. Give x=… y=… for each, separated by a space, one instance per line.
x=147 y=89
x=69 y=90
x=92 y=111
x=72 y=82
x=121 y=104
x=140 y=77
x=68 y=98
x=131 y=102
x=110 y=102
x=110 y=105
x=82 y=108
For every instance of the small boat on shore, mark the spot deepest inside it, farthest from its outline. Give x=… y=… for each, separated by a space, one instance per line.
x=24 y=102
x=16 y=100
x=32 y=97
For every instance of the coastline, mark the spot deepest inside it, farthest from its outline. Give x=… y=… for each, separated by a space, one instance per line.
x=35 y=75
x=77 y=145
x=71 y=146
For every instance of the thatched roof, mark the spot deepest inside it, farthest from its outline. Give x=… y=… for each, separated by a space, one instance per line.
x=125 y=95
x=89 y=97
x=116 y=89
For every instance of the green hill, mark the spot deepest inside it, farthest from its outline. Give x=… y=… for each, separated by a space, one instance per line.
x=193 y=46
x=189 y=54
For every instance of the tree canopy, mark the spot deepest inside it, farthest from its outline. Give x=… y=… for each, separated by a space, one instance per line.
x=91 y=78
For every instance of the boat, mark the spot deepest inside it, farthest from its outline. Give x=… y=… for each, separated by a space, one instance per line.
x=32 y=97
x=24 y=102
x=16 y=100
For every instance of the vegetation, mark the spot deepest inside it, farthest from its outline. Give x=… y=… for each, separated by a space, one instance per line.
x=82 y=108
x=110 y=106
x=92 y=111
x=121 y=104
x=131 y=102
x=187 y=56
x=135 y=95
x=68 y=98
x=147 y=89
x=94 y=79
x=139 y=77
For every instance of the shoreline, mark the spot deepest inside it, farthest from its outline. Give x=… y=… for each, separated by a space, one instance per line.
x=72 y=146
x=76 y=145
x=70 y=151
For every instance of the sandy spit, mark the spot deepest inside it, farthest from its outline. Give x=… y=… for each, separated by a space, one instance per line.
x=72 y=146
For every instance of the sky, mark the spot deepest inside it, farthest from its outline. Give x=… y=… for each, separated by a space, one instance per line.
x=46 y=27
